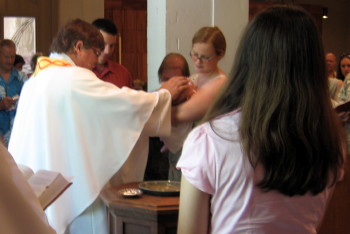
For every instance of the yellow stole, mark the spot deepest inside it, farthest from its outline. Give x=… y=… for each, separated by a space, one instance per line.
x=45 y=62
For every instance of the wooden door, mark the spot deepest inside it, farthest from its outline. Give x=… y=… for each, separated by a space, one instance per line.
x=130 y=16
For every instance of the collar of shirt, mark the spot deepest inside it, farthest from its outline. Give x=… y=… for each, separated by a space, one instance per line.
x=14 y=75
x=61 y=56
x=105 y=70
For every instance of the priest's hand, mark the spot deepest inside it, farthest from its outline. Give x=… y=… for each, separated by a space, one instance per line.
x=176 y=85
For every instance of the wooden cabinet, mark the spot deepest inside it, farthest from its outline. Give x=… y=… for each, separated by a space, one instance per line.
x=147 y=214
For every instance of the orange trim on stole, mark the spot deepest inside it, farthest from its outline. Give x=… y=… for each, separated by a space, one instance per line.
x=45 y=62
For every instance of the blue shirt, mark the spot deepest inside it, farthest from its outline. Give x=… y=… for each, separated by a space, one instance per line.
x=11 y=88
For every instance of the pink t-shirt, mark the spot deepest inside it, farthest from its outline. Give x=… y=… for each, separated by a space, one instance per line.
x=216 y=165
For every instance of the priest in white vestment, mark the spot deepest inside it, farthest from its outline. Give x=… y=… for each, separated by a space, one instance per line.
x=70 y=121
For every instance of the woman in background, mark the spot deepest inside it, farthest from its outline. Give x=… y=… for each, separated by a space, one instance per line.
x=269 y=152
x=344 y=92
x=344 y=66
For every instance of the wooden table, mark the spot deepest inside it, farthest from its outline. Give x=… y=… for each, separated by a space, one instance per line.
x=143 y=215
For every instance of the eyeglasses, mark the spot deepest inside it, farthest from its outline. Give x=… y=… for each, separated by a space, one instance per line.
x=97 y=51
x=204 y=59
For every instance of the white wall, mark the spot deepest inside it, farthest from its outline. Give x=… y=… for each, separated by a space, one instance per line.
x=156 y=45
x=232 y=27
x=172 y=23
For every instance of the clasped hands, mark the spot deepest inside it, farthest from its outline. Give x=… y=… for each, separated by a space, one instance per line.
x=180 y=88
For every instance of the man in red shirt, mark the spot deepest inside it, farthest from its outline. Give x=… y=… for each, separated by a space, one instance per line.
x=106 y=69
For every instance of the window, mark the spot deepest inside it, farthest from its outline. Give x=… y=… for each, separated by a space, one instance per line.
x=22 y=31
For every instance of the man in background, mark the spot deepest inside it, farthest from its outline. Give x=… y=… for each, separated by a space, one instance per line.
x=175 y=64
x=106 y=69
x=10 y=88
x=331 y=65
x=334 y=83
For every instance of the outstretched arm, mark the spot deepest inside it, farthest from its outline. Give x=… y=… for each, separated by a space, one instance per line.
x=195 y=108
x=194 y=209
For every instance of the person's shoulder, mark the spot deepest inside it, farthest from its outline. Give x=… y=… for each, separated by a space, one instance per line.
x=335 y=80
x=232 y=116
x=347 y=79
x=23 y=76
x=83 y=72
x=14 y=72
x=17 y=75
x=112 y=65
x=214 y=84
x=69 y=72
x=224 y=126
x=222 y=77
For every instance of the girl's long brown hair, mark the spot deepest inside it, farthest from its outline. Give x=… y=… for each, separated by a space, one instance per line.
x=287 y=123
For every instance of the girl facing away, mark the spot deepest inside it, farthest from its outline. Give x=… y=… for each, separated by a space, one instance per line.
x=269 y=151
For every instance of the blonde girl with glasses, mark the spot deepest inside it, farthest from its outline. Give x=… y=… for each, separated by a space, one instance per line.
x=208 y=48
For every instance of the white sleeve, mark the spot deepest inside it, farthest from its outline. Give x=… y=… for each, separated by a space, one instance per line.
x=159 y=123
